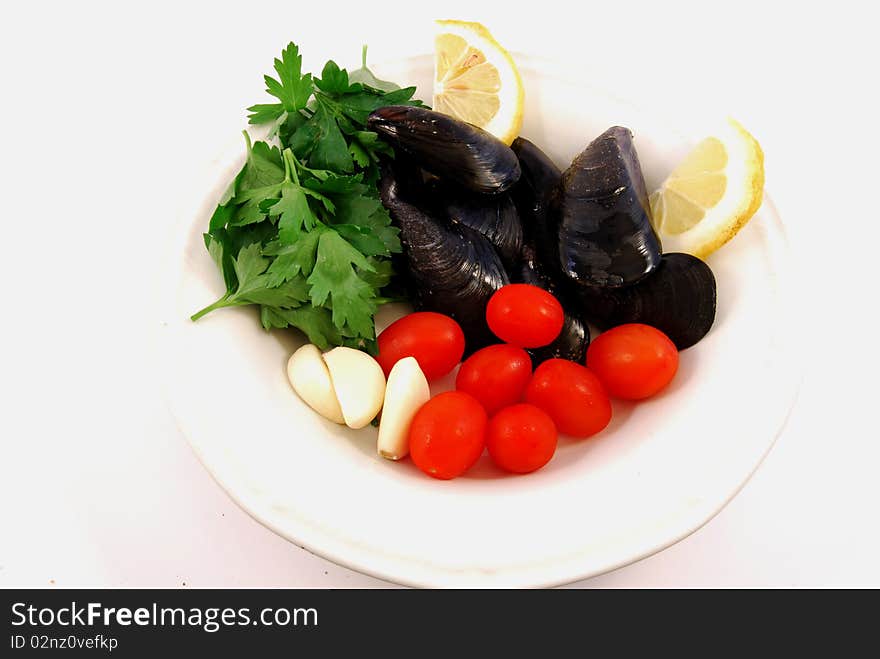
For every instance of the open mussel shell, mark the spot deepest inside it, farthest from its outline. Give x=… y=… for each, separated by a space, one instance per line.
x=602 y=216
x=448 y=148
x=574 y=338
x=448 y=268
x=678 y=298
x=493 y=216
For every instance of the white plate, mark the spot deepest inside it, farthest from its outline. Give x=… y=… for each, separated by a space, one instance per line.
x=661 y=470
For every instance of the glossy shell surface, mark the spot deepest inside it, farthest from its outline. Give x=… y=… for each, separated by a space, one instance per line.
x=601 y=215
x=679 y=299
x=449 y=268
x=449 y=148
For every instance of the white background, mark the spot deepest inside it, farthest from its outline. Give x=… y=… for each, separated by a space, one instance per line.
x=110 y=109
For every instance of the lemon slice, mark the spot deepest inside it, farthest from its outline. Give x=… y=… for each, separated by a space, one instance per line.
x=712 y=193
x=475 y=79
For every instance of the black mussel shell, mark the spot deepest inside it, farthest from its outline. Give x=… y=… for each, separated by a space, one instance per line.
x=408 y=176
x=574 y=338
x=572 y=343
x=495 y=217
x=678 y=298
x=447 y=147
x=528 y=269
x=449 y=269
x=601 y=212
x=531 y=194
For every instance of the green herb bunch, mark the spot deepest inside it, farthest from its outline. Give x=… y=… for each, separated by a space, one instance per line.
x=301 y=231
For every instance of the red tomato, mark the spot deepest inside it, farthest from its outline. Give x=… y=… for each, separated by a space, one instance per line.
x=573 y=397
x=524 y=315
x=521 y=438
x=633 y=361
x=496 y=376
x=448 y=434
x=435 y=340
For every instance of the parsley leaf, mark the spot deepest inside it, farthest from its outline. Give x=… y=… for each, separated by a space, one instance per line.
x=219 y=249
x=258 y=233
x=253 y=288
x=271 y=318
x=358 y=107
x=333 y=80
x=335 y=280
x=366 y=148
x=263 y=167
x=330 y=150
x=364 y=222
x=249 y=265
x=295 y=214
x=223 y=214
x=315 y=322
x=365 y=76
x=382 y=273
x=263 y=113
x=364 y=240
x=329 y=183
x=291 y=88
x=291 y=260
x=248 y=213
x=300 y=231
x=291 y=293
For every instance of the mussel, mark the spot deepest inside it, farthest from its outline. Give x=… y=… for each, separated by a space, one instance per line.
x=678 y=298
x=531 y=195
x=601 y=215
x=528 y=270
x=449 y=268
x=448 y=148
x=572 y=343
x=493 y=216
x=539 y=263
x=574 y=338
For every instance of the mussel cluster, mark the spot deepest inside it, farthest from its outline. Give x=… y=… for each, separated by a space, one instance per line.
x=475 y=214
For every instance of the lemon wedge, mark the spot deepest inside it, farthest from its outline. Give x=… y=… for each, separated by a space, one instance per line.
x=476 y=80
x=711 y=194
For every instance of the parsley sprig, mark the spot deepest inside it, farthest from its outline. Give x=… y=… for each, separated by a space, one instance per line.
x=301 y=231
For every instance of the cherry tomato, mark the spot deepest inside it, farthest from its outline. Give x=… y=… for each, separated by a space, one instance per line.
x=521 y=438
x=524 y=315
x=496 y=376
x=633 y=361
x=572 y=395
x=435 y=340
x=448 y=434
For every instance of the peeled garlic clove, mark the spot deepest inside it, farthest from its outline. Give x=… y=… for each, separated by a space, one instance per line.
x=310 y=379
x=407 y=390
x=359 y=384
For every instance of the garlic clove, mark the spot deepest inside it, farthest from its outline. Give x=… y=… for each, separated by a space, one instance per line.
x=310 y=379
x=407 y=390
x=359 y=384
